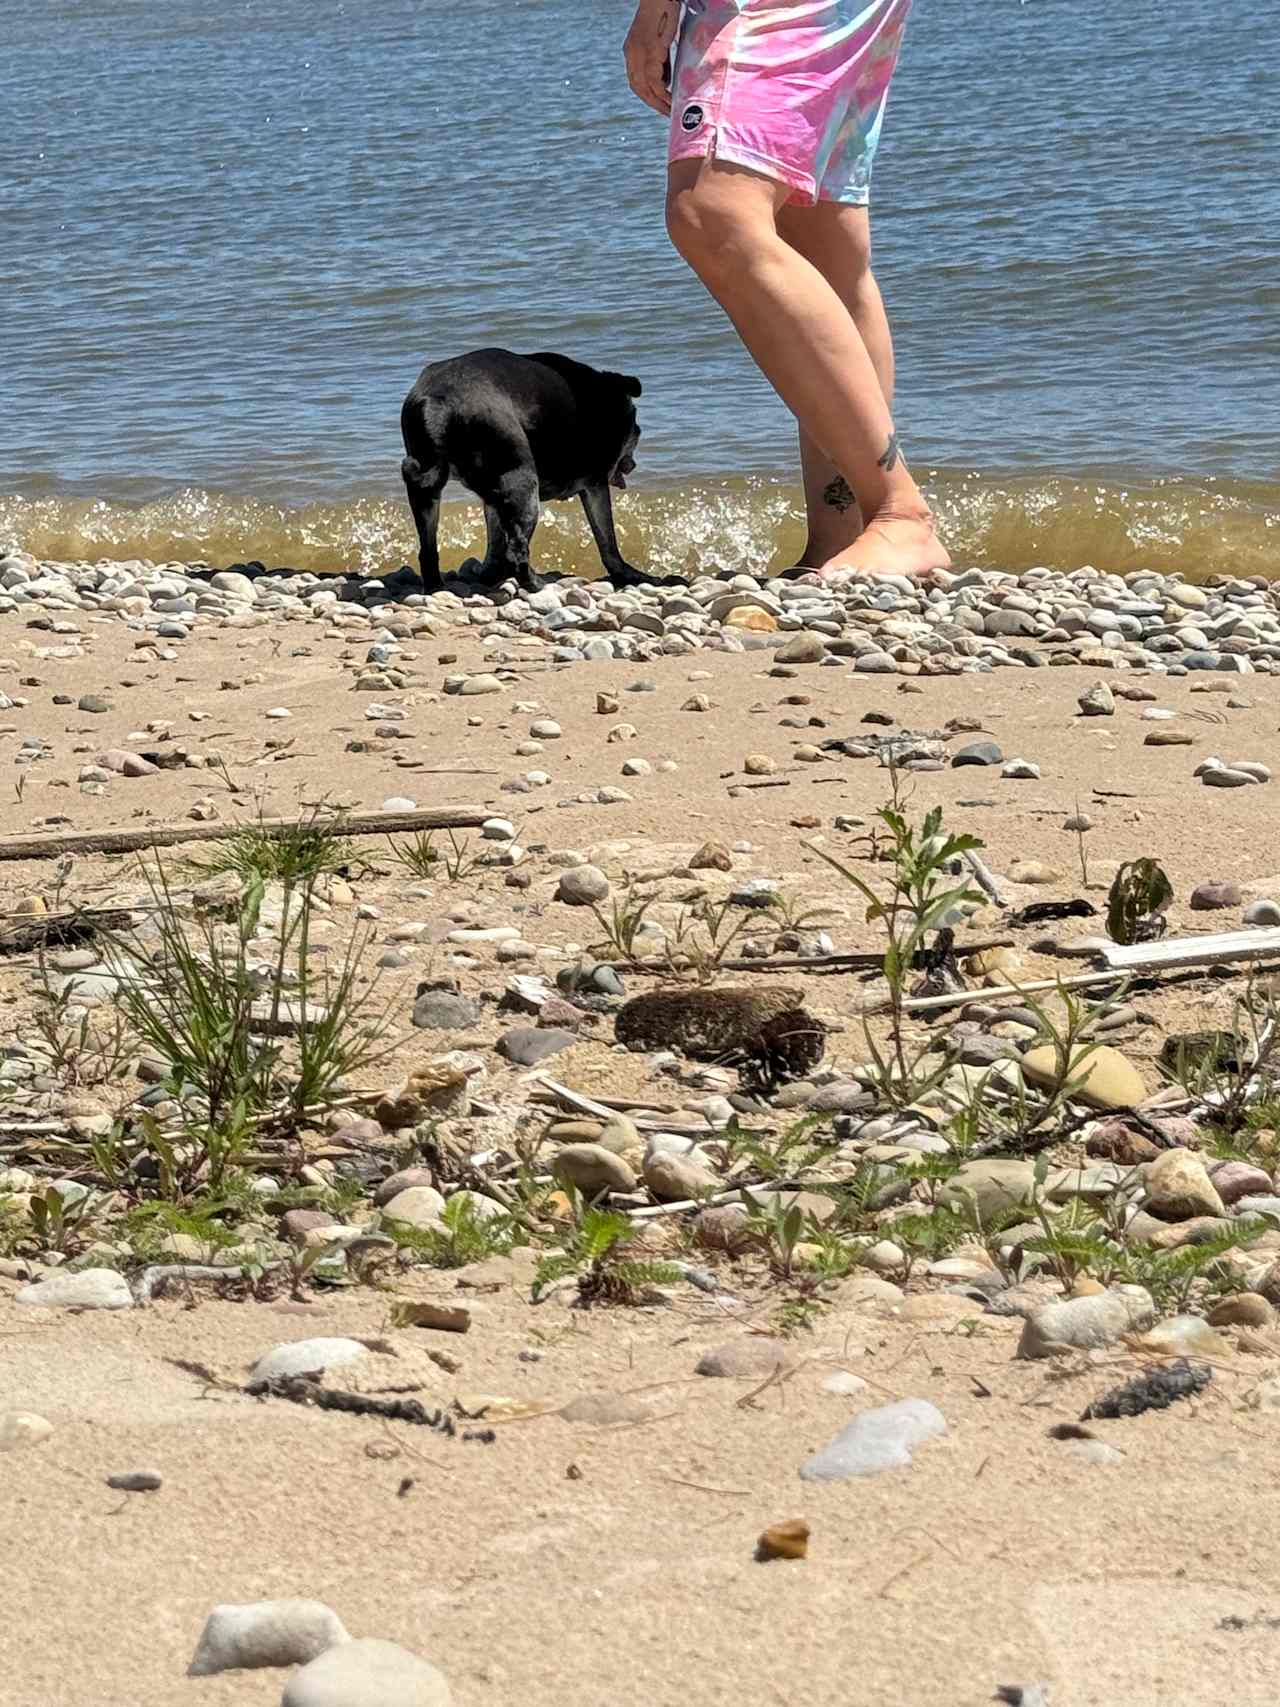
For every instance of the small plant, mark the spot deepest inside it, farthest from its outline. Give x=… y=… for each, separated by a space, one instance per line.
x=248 y=1046
x=622 y=926
x=760 y=1159
x=921 y=898
x=1235 y=1073
x=1135 y=907
x=420 y=857
x=84 y=1048
x=778 y=1227
x=596 y=1253
x=295 y=855
x=1173 y=1277
x=58 y=1219
x=705 y=933
x=152 y=1222
x=928 y=1236
x=1012 y=1116
x=799 y=1315
x=466 y=1235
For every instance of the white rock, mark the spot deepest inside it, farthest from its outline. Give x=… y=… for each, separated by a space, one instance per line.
x=306 y=1357
x=368 y=1673
x=1086 y=1324
x=88 y=1289
x=265 y=1633
x=22 y=1428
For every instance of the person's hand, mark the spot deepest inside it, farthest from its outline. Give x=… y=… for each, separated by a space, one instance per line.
x=647 y=51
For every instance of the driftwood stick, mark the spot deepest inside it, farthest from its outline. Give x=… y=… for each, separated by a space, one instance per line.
x=860 y=961
x=997 y=993
x=986 y=882
x=1218 y=950
x=41 y=846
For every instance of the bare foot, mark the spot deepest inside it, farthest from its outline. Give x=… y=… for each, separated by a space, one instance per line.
x=892 y=545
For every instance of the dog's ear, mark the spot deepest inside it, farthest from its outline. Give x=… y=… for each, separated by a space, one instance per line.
x=627 y=382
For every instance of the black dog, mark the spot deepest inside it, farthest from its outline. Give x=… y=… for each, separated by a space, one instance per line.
x=517 y=430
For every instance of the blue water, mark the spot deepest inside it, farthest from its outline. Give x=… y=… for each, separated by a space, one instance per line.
x=233 y=232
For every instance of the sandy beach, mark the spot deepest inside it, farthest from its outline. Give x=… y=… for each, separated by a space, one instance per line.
x=610 y=1555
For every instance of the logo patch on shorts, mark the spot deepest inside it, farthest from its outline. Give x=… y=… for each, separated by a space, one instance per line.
x=691 y=117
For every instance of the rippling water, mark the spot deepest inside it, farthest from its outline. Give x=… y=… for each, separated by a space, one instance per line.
x=233 y=232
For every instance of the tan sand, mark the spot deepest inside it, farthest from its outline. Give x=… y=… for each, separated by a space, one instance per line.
x=582 y=1565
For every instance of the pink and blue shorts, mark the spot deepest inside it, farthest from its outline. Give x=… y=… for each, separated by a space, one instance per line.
x=793 y=89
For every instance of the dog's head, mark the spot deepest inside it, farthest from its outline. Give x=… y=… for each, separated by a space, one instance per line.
x=624 y=388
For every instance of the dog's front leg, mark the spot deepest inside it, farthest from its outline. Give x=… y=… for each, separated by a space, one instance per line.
x=598 y=504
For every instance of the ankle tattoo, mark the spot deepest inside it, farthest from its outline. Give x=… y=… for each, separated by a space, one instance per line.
x=839 y=495
x=892 y=455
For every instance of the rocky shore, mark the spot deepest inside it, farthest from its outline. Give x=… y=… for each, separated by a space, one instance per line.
x=699 y=1179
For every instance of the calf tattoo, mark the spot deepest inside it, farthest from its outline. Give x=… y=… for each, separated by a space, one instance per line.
x=892 y=455
x=839 y=495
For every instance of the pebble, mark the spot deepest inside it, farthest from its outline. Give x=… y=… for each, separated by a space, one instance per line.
x=442 y=1010
x=1184 y=1336
x=1215 y=895
x=978 y=753
x=136 y=1481
x=1086 y=1324
x=1168 y=738
x=415 y=1206
x=750 y=1357
x=526 y=1045
x=87 y=1289
x=306 y=1357
x=22 y=1428
x=1021 y=769
x=878 y=1440
x=672 y=1178
x=265 y=1633
x=1107 y=1079
x=582 y=886
x=1098 y=701
x=1262 y=913
x=1242 y=1310
x=368 y=1673
x=1179 y=1187
x=593 y=1169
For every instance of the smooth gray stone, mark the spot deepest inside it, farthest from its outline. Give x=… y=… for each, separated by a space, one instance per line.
x=89 y=1289
x=306 y=1357
x=265 y=1633
x=878 y=1440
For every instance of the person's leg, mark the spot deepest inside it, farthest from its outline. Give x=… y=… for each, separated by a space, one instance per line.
x=837 y=240
x=723 y=220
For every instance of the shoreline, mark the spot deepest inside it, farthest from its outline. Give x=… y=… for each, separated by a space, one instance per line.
x=1119 y=521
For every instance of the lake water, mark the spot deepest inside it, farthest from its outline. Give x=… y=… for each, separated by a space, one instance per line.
x=235 y=229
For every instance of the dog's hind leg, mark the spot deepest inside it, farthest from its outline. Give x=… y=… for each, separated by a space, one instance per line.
x=424 y=486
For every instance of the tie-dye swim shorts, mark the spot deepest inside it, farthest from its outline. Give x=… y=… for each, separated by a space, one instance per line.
x=794 y=89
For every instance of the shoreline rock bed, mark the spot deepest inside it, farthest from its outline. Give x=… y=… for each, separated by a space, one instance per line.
x=973 y=620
